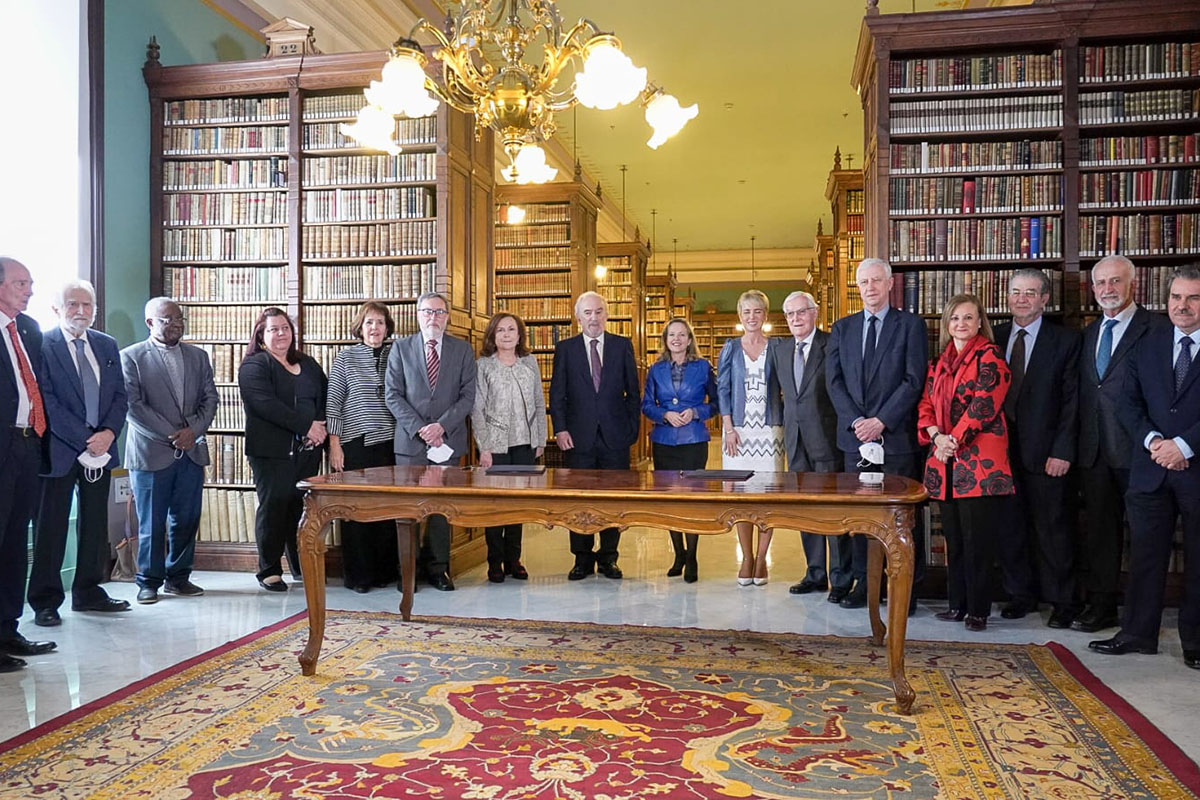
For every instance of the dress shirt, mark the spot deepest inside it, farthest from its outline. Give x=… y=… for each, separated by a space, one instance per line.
x=880 y=315
x=1119 y=329
x=172 y=356
x=1183 y=446
x=22 y=420
x=87 y=350
x=1031 y=334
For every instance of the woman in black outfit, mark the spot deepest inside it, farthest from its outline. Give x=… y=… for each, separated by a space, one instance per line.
x=283 y=391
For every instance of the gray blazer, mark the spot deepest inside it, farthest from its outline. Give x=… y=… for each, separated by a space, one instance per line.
x=488 y=419
x=809 y=418
x=155 y=412
x=413 y=404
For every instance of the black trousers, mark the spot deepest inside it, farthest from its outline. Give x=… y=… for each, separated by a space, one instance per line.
x=280 y=504
x=1152 y=518
x=839 y=573
x=50 y=540
x=504 y=541
x=1037 y=557
x=908 y=465
x=599 y=457
x=971 y=526
x=435 y=548
x=19 y=490
x=369 y=552
x=1103 y=540
x=679 y=456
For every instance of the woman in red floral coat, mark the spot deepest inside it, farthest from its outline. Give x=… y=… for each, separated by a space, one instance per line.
x=961 y=416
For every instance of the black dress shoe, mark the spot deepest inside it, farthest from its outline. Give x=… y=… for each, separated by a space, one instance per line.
x=496 y=574
x=807 y=585
x=1061 y=617
x=516 y=570
x=441 y=581
x=579 y=572
x=610 y=571
x=837 y=594
x=1191 y=658
x=691 y=573
x=976 y=624
x=183 y=588
x=10 y=664
x=1016 y=609
x=18 y=645
x=47 y=618
x=1096 y=618
x=274 y=586
x=951 y=615
x=106 y=606
x=147 y=596
x=857 y=597
x=1116 y=646
x=361 y=588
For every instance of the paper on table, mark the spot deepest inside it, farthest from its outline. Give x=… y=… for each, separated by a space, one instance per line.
x=440 y=454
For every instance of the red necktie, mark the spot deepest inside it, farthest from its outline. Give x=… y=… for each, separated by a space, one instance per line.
x=37 y=414
x=432 y=363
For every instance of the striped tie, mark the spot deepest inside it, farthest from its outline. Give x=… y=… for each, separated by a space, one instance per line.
x=433 y=364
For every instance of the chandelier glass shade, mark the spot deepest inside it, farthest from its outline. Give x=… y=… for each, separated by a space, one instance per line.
x=483 y=72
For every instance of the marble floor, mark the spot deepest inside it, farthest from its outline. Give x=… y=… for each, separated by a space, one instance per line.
x=98 y=654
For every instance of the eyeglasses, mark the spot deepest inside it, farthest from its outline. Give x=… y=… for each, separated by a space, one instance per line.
x=800 y=312
x=170 y=320
x=432 y=312
x=1027 y=293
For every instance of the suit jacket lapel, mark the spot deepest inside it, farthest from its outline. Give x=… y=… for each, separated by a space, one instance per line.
x=1090 y=336
x=418 y=355
x=785 y=362
x=1193 y=370
x=58 y=346
x=885 y=340
x=1041 y=347
x=1137 y=327
x=813 y=364
x=855 y=380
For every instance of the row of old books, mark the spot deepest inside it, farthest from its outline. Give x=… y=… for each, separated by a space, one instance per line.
x=927 y=291
x=219 y=110
x=360 y=281
x=223 y=173
x=385 y=239
x=328 y=136
x=229 y=284
x=1143 y=61
x=231 y=208
x=532 y=235
x=535 y=309
x=227 y=462
x=855 y=201
x=227 y=515
x=224 y=244
x=936 y=157
x=224 y=358
x=332 y=106
x=200 y=141
x=524 y=283
x=985 y=194
x=535 y=214
x=619 y=304
x=1174 y=148
x=1145 y=187
x=1139 y=234
x=363 y=205
x=977 y=114
x=976 y=239
x=228 y=323
x=962 y=73
x=856 y=246
x=325 y=322
x=617 y=271
x=543 y=258
x=231 y=414
x=1149 y=106
x=341 y=170
x=544 y=337
x=1150 y=288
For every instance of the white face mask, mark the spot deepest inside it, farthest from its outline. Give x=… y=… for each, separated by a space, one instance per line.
x=872 y=458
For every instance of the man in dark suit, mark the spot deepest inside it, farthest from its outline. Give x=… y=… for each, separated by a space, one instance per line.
x=876 y=362
x=1041 y=410
x=595 y=405
x=430 y=390
x=172 y=401
x=1161 y=410
x=22 y=428
x=1104 y=444
x=810 y=432
x=84 y=391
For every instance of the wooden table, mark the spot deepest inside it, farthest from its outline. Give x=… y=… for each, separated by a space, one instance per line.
x=590 y=500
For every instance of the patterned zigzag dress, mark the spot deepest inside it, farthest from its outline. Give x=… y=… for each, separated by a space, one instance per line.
x=762 y=444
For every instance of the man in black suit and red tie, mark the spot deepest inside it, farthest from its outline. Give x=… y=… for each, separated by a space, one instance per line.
x=595 y=405
x=1161 y=411
x=22 y=426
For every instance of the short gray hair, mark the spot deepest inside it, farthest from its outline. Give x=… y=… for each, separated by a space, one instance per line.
x=1119 y=260
x=1033 y=273
x=433 y=296
x=587 y=296
x=867 y=263
x=4 y=262
x=152 y=305
x=1186 y=272
x=797 y=295
x=60 y=294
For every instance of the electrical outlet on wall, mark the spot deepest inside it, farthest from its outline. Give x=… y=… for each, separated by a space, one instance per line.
x=121 y=489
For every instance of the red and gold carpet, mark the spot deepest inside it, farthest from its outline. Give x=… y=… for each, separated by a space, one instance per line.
x=501 y=710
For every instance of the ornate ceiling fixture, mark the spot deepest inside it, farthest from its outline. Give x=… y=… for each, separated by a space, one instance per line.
x=483 y=73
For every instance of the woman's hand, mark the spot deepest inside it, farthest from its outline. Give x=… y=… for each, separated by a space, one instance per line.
x=485 y=458
x=316 y=433
x=675 y=419
x=944 y=447
x=537 y=453
x=337 y=457
x=730 y=442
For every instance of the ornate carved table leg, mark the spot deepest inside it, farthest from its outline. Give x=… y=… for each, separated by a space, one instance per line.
x=874 y=576
x=900 y=556
x=311 y=544
x=407 y=537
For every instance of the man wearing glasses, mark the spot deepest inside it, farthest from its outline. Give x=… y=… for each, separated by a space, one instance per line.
x=430 y=390
x=1041 y=410
x=172 y=403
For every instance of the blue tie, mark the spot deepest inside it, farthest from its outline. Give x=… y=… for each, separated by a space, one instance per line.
x=1105 y=353
x=869 y=350
x=1183 y=362
x=91 y=389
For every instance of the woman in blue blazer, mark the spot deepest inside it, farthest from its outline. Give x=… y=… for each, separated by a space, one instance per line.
x=680 y=397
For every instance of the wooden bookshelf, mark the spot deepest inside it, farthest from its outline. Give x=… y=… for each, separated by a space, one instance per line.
x=844 y=191
x=256 y=199
x=624 y=287
x=823 y=277
x=541 y=264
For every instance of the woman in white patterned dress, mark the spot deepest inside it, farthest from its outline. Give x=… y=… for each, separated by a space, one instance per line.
x=751 y=418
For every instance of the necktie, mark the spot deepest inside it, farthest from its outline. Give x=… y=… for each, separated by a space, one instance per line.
x=1016 y=363
x=37 y=413
x=433 y=364
x=1104 y=354
x=1183 y=362
x=798 y=367
x=869 y=350
x=91 y=389
x=596 y=364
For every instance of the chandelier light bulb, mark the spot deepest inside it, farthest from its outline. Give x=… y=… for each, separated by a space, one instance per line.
x=609 y=78
x=401 y=89
x=373 y=127
x=529 y=166
x=601 y=271
x=666 y=117
x=514 y=215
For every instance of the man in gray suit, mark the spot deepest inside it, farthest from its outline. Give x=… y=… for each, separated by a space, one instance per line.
x=172 y=402
x=430 y=389
x=810 y=431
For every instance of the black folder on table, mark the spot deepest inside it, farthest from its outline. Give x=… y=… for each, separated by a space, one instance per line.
x=516 y=469
x=719 y=474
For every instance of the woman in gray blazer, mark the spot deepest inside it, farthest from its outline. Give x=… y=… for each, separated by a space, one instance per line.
x=509 y=421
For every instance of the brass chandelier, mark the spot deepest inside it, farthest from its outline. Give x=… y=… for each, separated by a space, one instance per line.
x=483 y=72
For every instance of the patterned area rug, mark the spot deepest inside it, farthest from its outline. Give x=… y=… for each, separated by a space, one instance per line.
x=501 y=710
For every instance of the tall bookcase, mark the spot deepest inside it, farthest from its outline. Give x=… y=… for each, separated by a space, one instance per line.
x=545 y=257
x=256 y=199
x=823 y=277
x=660 y=301
x=844 y=191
